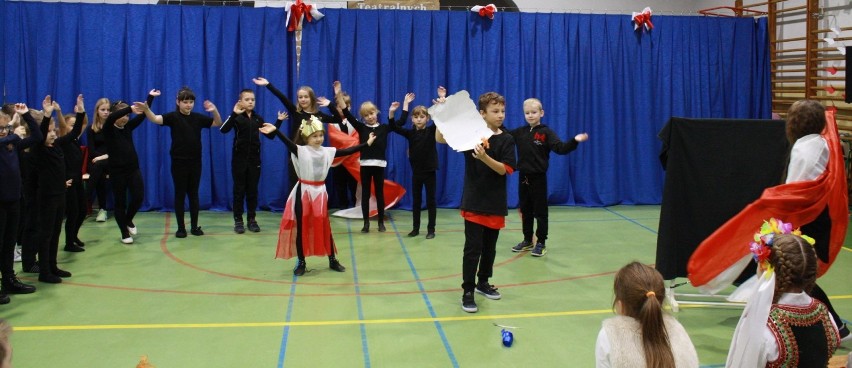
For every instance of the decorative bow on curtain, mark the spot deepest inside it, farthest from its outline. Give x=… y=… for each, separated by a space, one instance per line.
x=643 y=19
x=296 y=11
x=485 y=11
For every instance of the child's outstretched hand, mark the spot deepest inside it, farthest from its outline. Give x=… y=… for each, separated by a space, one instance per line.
x=323 y=102
x=136 y=110
x=337 y=87
x=79 y=107
x=282 y=115
x=409 y=97
x=392 y=109
x=260 y=81
x=209 y=106
x=47 y=105
x=268 y=128
x=582 y=137
x=21 y=108
x=238 y=108
x=141 y=106
x=154 y=92
x=442 y=96
x=371 y=139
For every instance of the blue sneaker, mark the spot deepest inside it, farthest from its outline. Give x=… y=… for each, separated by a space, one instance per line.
x=539 y=251
x=522 y=246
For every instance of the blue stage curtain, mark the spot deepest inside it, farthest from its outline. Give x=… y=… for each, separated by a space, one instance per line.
x=593 y=73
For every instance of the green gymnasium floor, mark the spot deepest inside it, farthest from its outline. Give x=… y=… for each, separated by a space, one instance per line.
x=221 y=300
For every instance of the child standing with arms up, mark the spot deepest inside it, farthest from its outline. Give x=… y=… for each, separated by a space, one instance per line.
x=186 y=128
x=534 y=144
x=423 y=156
x=305 y=227
x=373 y=160
x=484 y=202
x=75 y=198
x=641 y=329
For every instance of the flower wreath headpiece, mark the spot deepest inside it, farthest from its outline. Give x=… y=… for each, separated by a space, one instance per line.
x=761 y=247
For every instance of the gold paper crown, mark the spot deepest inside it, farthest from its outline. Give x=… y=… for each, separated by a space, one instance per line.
x=311 y=126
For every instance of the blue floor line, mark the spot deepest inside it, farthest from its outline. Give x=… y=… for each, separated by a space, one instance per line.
x=283 y=350
x=630 y=219
x=425 y=297
x=365 y=349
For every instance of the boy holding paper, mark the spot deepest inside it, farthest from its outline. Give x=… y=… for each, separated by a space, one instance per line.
x=484 y=203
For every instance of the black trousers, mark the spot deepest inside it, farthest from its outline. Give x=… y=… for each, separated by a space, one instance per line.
x=345 y=186
x=376 y=174
x=124 y=186
x=532 y=192
x=51 y=210
x=9 y=215
x=186 y=176
x=75 y=209
x=97 y=182
x=418 y=181
x=246 y=174
x=480 y=248
x=29 y=228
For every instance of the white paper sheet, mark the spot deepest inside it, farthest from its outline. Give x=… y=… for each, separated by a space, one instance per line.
x=459 y=121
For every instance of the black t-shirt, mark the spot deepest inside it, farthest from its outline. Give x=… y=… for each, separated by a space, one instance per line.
x=484 y=189
x=186 y=134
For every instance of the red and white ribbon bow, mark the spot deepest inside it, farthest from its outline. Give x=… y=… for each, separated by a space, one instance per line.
x=297 y=11
x=643 y=19
x=485 y=11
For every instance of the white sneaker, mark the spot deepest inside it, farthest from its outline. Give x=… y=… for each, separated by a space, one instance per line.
x=102 y=216
x=17 y=254
x=132 y=230
x=127 y=240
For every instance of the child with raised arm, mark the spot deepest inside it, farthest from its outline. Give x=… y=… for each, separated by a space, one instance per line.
x=782 y=325
x=245 y=159
x=13 y=140
x=373 y=160
x=642 y=335
x=50 y=195
x=345 y=185
x=305 y=227
x=75 y=198
x=423 y=156
x=186 y=128
x=484 y=201
x=534 y=143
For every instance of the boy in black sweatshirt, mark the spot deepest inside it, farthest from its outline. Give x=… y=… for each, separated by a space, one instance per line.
x=423 y=156
x=245 y=159
x=534 y=143
x=484 y=202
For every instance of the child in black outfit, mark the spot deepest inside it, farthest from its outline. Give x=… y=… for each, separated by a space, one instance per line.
x=186 y=152
x=373 y=160
x=75 y=197
x=484 y=202
x=534 y=144
x=245 y=161
x=423 y=156
x=12 y=141
x=50 y=195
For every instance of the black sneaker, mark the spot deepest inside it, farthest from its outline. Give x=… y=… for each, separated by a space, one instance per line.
x=253 y=227
x=300 y=269
x=4 y=299
x=522 y=246
x=79 y=243
x=196 y=231
x=365 y=229
x=382 y=227
x=11 y=285
x=844 y=333
x=61 y=273
x=31 y=269
x=239 y=228
x=413 y=233
x=181 y=233
x=539 y=251
x=430 y=235
x=468 y=304
x=49 y=278
x=74 y=248
x=335 y=265
x=488 y=291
